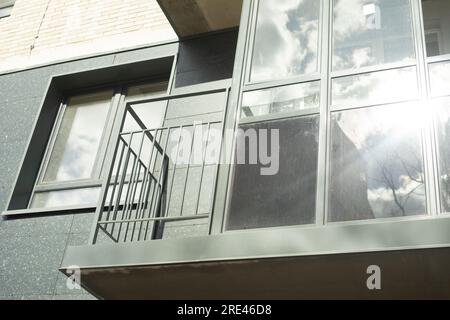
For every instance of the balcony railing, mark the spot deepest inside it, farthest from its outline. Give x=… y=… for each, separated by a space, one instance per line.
x=159 y=176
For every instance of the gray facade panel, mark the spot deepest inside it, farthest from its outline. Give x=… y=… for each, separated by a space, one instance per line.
x=33 y=247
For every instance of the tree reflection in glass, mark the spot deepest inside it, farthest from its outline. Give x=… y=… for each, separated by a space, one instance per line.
x=376 y=164
x=286 y=39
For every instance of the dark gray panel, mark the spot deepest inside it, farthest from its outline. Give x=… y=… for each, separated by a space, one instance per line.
x=11 y=153
x=29 y=264
x=18 y=118
x=25 y=84
x=83 y=64
x=196 y=105
x=205 y=59
x=289 y=196
x=36 y=226
x=35 y=152
x=82 y=223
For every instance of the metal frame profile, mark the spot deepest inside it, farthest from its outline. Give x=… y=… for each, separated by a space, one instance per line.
x=326 y=75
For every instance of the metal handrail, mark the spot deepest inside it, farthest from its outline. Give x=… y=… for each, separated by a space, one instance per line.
x=138 y=194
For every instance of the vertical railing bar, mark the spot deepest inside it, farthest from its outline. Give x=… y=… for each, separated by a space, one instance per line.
x=174 y=169
x=116 y=178
x=187 y=169
x=216 y=174
x=122 y=181
x=148 y=174
x=164 y=156
x=125 y=205
x=138 y=207
x=128 y=205
x=163 y=177
x=134 y=184
x=203 y=169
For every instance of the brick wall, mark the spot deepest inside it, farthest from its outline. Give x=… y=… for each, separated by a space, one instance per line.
x=41 y=31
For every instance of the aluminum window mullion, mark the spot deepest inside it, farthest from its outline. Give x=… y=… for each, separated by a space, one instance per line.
x=428 y=133
x=99 y=163
x=250 y=41
x=51 y=142
x=324 y=121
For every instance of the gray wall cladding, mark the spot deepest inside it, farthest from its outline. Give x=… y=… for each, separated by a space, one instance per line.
x=32 y=247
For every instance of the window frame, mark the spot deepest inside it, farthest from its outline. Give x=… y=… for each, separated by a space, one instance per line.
x=6 y=7
x=119 y=97
x=326 y=76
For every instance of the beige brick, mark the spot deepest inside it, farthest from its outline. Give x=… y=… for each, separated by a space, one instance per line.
x=47 y=24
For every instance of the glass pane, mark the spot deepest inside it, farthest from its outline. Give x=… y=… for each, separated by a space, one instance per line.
x=281 y=99
x=286 y=40
x=371 y=32
x=443 y=134
x=436 y=16
x=150 y=113
x=375 y=88
x=78 y=139
x=287 y=197
x=440 y=78
x=376 y=164
x=52 y=199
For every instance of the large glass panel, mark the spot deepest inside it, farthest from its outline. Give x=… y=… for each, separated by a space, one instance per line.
x=376 y=164
x=281 y=99
x=436 y=16
x=286 y=40
x=440 y=78
x=150 y=113
x=288 y=196
x=375 y=88
x=64 y=198
x=443 y=134
x=371 y=32
x=78 y=139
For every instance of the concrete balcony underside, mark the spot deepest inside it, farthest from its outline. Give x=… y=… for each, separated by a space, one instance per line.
x=193 y=17
x=325 y=262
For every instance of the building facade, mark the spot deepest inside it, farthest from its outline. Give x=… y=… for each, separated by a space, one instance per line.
x=275 y=149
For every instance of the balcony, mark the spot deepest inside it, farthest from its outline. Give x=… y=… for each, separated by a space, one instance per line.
x=160 y=233
x=153 y=182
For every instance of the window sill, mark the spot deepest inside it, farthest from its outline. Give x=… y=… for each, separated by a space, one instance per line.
x=50 y=211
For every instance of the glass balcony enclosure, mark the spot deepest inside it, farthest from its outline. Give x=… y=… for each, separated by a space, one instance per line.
x=348 y=99
x=343 y=84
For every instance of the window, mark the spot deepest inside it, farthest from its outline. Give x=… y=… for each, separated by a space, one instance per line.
x=440 y=78
x=6 y=7
x=75 y=150
x=371 y=32
x=288 y=197
x=375 y=88
x=436 y=16
x=376 y=163
x=72 y=168
x=281 y=99
x=286 y=40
